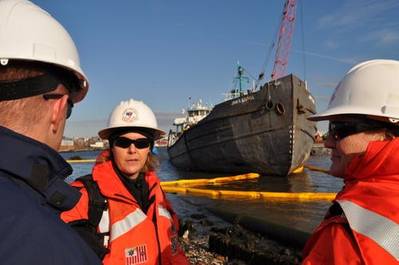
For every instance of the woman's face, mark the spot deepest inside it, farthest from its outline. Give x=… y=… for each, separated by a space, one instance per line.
x=130 y=159
x=343 y=150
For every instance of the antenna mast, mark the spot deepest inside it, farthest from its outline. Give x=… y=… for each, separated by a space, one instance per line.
x=284 y=39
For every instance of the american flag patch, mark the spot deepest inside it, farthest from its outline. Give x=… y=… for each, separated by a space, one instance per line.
x=136 y=255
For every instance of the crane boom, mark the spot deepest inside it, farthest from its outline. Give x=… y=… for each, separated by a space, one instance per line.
x=284 y=39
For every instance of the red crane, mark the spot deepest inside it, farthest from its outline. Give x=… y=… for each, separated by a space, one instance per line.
x=284 y=39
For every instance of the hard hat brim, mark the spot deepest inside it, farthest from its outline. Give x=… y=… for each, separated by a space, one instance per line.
x=105 y=133
x=79 y=95
x=331 y=113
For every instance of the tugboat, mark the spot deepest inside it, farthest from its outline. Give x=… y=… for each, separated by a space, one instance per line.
x=264 y=131
x=261 y=130
x=195 y=113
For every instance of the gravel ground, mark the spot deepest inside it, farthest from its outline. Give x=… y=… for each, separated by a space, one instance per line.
x=209 y=240
x=195 y=242
x=209 y=243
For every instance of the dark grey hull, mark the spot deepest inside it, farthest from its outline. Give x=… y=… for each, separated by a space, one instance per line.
x=265 y=131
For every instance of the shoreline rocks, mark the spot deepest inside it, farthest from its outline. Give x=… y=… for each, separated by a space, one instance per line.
x=227 y=244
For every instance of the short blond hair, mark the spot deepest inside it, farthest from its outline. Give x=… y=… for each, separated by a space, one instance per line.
x=22 y=114
x=151 y=164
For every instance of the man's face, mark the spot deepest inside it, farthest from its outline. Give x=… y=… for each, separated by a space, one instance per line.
x=346 y=148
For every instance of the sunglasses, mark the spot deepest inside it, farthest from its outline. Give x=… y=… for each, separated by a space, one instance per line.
x=124 y=142
x=58 y=96
x=341 y=129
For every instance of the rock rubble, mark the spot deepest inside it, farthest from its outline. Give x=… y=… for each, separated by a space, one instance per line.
x=206 y=243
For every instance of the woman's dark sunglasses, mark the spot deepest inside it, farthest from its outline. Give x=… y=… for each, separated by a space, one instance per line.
x=124 y=142
x=341 y=129
x=58 y=96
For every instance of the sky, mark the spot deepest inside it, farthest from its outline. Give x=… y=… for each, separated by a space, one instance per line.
x=164 y=52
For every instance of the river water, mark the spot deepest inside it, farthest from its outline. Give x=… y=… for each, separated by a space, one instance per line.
x=304 y=215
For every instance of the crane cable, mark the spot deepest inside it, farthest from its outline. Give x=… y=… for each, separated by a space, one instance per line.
x=269 y=54
x=248 y=73
x=303 y=39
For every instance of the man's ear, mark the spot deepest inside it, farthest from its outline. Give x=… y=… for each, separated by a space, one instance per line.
x=58 y=114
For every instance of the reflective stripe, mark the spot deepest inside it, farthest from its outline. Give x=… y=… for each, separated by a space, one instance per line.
x=163 y=212
x=381 y=229
x=106 y=241
x=126 y=224
x=103 y=226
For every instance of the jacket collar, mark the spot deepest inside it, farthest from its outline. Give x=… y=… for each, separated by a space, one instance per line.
x=380 y=159
x=38 y=165
x=372 y=179
x=110 y=183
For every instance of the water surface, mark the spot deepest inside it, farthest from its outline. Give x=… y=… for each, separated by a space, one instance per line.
x=301 y=215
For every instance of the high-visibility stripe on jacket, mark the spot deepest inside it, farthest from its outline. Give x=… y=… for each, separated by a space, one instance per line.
x=365 y=223
x=135 y=237
x=367 y=232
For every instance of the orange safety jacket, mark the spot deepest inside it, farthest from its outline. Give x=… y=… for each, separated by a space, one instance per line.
x=367 y=231
x=134 y=237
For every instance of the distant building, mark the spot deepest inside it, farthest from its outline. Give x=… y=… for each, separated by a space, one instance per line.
x=67 y=144
x=97 y=145
x=80 y=143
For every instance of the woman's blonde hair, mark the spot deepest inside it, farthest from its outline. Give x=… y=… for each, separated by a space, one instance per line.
x=151 y=164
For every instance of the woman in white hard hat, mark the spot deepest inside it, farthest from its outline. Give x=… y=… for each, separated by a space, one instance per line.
x=135 y=224
x=362 y=225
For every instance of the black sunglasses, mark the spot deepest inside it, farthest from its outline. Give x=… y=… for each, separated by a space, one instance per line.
x=58 y=96
x=124 y=142
x=341 y=129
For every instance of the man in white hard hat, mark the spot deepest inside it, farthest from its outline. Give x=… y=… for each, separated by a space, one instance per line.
x=137 y=217
x=40 y=80
x=362 y=225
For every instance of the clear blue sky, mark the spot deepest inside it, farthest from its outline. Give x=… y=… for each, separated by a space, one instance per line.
x=163 y=52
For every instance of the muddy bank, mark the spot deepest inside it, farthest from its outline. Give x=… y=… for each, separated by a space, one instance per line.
x=207 y=239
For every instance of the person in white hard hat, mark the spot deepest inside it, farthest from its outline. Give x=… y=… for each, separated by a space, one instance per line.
x=40 y=80
x=362 y=225
x=137 y=224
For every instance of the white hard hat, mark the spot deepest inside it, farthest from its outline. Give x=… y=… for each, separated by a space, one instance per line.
x=29 y=33
x=370 y=88
x=131 y=114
